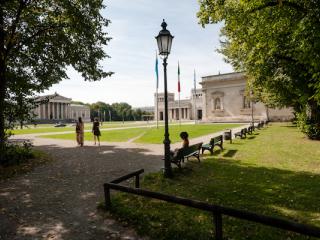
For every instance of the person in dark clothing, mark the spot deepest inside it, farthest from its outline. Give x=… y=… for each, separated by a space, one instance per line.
x=185 y=141
x=96 y=131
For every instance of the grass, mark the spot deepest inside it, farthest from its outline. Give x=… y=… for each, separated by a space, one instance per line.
x=149 y=135
x=26 y=166
x=155 y=135
x=49 y=128
x=274 y=172
x=122 y=135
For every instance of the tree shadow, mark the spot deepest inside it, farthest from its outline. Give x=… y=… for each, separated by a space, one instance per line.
x=60 y=198
x=270 y=191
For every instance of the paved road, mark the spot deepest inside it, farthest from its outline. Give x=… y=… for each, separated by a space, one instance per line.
x=58 y=200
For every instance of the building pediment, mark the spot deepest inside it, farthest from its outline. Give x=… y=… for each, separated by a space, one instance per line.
x=54 y=98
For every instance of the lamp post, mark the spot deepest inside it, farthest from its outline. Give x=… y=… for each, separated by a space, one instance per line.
x=252 y=118
x=164 y=41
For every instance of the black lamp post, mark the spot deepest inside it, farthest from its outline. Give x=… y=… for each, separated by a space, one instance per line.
x=252 y=102
x=164 y=41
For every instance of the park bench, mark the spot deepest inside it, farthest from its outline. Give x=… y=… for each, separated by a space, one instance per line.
x=215 y=141
x=242 y=133
x=185 y=153
x=260 y=125
x=250 y=130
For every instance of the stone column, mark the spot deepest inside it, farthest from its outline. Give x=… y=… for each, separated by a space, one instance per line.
x=54 y=110
x=43 y=112
x=47 y=110
x=62 y=111
x=39 y=112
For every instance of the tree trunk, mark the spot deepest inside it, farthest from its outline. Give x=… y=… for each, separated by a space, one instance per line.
x=314 y=111
x=3 y=84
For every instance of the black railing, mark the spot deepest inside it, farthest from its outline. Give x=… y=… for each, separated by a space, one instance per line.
x=216 y=210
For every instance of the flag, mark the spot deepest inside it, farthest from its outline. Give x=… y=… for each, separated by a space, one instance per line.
x=157 y=71
x=179 y=78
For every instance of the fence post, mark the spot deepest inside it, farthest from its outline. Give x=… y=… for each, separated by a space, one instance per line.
x=217 y=219
x=107 y=198
x=137 y=185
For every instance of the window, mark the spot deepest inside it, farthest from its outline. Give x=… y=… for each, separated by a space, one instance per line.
x=217 y=104
x=246 y=102
x=217 y=101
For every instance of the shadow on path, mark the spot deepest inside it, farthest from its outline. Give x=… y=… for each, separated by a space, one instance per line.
x=59 y=200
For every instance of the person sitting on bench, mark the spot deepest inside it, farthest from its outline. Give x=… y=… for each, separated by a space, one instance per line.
x=185 y=142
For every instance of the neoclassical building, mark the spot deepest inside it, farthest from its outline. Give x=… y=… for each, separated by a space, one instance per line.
x=53 y=108
x=185 y=110
x=222 y=98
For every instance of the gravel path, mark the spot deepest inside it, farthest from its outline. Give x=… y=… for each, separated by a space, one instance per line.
x=58 y=200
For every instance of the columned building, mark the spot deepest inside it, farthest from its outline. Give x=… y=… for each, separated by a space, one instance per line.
x=222 y=98
x=186 y=109
x=53 y=108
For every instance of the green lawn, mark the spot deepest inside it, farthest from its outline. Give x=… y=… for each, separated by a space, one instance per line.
x=274 y=172
x=47 y=128
x=151 y=135
x=122 y=135
x=156 y=136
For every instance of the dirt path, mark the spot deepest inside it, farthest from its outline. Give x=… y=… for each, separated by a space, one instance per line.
x=59 y=200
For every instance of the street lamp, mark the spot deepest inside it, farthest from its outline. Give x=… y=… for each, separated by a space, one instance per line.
x=252 y=101
x=164 y=41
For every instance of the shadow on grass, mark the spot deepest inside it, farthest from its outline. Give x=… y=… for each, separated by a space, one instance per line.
x=230 y=153
x=251 y=137
x=289 y=126
x=270 y=191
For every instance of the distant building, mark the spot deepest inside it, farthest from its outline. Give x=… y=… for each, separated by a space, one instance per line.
x=145 y=109
x=222 y=98
x=57 y=108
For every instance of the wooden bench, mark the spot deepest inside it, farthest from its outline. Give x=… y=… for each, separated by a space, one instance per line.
x=185 y=153
x=216 y=141
x=250 y=130
x=241 y=134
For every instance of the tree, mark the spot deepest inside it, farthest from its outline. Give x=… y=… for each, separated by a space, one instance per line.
x=39 y=39
x=122 y=111
x=277 y=44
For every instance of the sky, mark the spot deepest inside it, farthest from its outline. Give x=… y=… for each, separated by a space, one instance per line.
x=134 y=25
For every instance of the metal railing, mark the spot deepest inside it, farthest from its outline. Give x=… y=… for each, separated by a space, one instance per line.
x=216 y=210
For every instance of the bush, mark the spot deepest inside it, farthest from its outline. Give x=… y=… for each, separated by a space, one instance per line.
x=16 y=153
x=307 y=126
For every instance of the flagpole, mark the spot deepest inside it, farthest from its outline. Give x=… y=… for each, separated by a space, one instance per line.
x=157 y=87
x=195 y=97
x=179 y=111
x=157 y=109
x=179 y=90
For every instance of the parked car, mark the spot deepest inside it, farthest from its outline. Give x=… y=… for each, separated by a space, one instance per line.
x=60 y=125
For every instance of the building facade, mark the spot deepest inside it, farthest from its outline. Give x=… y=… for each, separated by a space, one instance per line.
x=54 y=108
x=222 y=98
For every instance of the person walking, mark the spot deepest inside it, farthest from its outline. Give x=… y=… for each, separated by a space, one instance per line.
x=96 y=131
x=80 y=132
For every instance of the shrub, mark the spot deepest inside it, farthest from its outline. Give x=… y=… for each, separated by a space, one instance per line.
x=307 y=126
x=16 y=153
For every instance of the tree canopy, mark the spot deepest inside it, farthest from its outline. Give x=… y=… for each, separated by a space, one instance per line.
x=39 y=39
x=117 y=111
x=277 y=44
